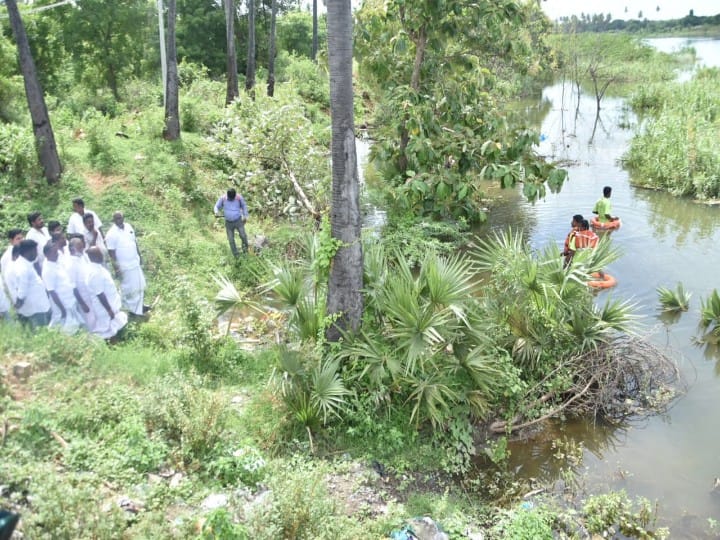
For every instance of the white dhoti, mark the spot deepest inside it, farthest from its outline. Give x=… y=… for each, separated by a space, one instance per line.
x=104 y=326
x=132 y=289
x=72 y=321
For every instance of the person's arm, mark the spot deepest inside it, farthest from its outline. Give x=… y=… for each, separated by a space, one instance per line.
x=218 y=206
x=58 y=303
x=21 y=291
x=113 y=259
x=104 y=301
x=80 y=301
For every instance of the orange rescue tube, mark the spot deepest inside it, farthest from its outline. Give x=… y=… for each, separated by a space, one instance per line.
x=598 y=283
x=596 y=224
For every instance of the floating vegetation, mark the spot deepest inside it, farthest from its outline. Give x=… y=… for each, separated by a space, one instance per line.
x=674 y=301
x=710 y=317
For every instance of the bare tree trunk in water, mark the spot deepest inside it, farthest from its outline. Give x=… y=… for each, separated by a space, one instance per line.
x=172 y=103
x=314 y=32
x=271 y=51
x=250 y=73
x=42 y=129
x=232 y=75
x=344 y=298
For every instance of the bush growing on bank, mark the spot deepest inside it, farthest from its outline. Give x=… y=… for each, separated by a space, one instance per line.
x=677 y=148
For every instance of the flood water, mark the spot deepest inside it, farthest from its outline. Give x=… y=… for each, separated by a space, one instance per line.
x=672 y=458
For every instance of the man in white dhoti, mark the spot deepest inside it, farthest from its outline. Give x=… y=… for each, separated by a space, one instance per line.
x=38 y=232
x=78 y=269
x=31 y=301
x=62 y=292
x=15 y=236
x=109 y=320
x=125 y=256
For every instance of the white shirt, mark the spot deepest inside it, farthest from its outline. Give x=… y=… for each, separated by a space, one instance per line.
x=76 y=225
x=99 y=281
x=5 y=261
x=42 y=237
x=4 y=300
x=11 y=277
x=56 y=279
x=123 y=243
x=78 y=270
x=29 y=287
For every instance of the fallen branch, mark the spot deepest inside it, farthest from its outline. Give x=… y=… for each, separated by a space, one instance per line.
x=59 y=439
x=299 y=190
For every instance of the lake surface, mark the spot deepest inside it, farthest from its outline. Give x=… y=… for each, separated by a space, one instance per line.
x=672 y=458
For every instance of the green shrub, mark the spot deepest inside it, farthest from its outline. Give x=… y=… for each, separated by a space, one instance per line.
x=17 y=152
x=186 y=415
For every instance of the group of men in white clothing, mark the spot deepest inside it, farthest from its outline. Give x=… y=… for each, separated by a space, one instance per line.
x=51 y=279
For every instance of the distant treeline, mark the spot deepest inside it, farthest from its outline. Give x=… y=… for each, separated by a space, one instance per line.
x=605 y=23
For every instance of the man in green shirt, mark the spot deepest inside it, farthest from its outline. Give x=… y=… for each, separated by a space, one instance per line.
x=603 y=208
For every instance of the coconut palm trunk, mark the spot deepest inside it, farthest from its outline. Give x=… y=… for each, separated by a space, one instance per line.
x=232 y=75
x=344 y=299
x=172 y=105
x=314 y=31
x=272 y=50
x=42 y=129
x=250 y=72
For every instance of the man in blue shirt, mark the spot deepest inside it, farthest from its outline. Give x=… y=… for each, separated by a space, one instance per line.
x=236 y=213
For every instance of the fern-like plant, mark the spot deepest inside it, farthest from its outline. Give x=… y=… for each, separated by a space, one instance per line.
x=710 y=313
x=674 y=301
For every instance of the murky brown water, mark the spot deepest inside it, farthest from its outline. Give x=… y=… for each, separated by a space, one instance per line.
x=673 y=458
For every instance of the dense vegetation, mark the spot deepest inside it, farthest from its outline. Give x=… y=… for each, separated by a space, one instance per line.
x=289 y=432
x=676 y=150
x=605 y=22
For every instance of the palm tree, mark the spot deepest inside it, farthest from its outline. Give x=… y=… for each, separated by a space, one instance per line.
x=232 y=76
x=42 y=129
x=315 y=31
x=344 y=299
x=271 y=51
x=250 y=72
x=172 y=105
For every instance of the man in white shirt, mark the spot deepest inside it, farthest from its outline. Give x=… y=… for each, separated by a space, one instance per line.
x=15 y=236
x=39 y=233
x=125 y=256
x=93 y=236
x=4 y=305
x=78 y=269
x=76 y=223
x=106 y=303
x=62 y=292
x=31 y=300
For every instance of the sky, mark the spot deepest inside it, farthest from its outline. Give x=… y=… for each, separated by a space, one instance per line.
x=669 y=9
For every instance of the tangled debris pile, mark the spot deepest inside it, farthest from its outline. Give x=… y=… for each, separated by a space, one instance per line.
x=629 y=376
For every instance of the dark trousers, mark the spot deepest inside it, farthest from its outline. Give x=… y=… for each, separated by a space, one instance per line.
x=230 y=228
x=35 y=321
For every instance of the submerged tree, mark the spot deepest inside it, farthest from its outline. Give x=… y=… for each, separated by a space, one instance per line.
x=172 y=105
x=344 y=299
x=42 y=129
x=232 y=76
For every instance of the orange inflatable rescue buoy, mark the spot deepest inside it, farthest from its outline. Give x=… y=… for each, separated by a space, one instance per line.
x=598 y=283
x=608 y=225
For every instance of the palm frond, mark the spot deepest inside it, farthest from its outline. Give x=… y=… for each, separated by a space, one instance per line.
x=673 y=301
x=433 y=398
x=710 y=311
x=327 y=390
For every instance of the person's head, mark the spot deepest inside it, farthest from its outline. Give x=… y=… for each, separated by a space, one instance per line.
x=585 y=225
x=51 y=251
x=89 y=221
x=607 y=191
x=118 y=219
x=55 y=229
x=28 y=249
x=95 y=255
x=15 y=236
x=35 y=220
x=79 y=206
x=576 y=220
x=77 y=245
x=231 y=194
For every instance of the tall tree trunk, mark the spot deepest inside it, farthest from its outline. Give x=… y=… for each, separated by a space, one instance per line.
x=172 y=105
x=315 y=32
x=420 y=44
x=42 y=129
x=271 y=51
x=344 y=298
x=232 y=75
x=250 y=73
